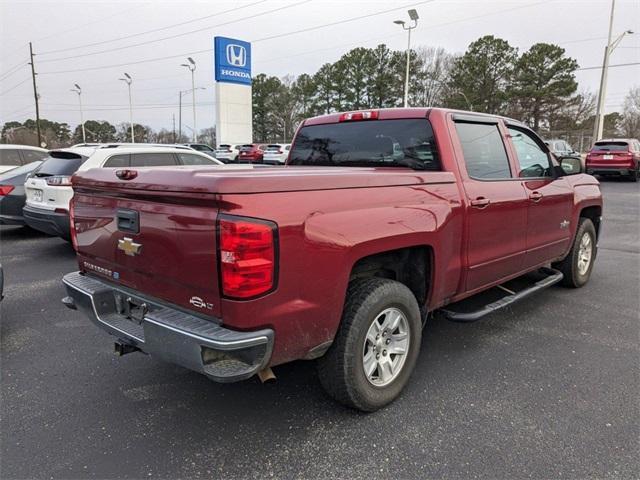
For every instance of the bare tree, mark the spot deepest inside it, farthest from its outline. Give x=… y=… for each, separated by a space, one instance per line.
x=435 y=66
x=630 y=124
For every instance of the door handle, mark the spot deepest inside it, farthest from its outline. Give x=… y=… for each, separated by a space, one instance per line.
x=535 y=196
x=480 y=202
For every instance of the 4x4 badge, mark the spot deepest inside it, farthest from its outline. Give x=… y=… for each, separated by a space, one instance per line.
x=129 y=247
x=564 y=224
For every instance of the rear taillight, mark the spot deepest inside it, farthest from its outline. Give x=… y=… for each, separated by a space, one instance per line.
x=72 y=225
x=247 y=249
x=6 y=190
x=355 y=116
x=59 y=181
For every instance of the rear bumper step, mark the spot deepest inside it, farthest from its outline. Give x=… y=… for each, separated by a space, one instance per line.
x=173 y=335
x=552 y=277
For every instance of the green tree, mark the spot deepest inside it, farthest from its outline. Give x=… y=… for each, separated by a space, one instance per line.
x=304 y=89
x=385 y=88
x=96 y=131
x=480 y=78
x=543 y=82
x=356 y=70
x=265 y=91
x=325 y=88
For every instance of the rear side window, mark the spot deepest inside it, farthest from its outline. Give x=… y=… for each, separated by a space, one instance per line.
x=59 y=166
x=484 y=152
x=374 y=143
x=152 y=159
x=33 y=155
x=117 y=161
x=191 y=159
x=9 y=157
x=611 y=146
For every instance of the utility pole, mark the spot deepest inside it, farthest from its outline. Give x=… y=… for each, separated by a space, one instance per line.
x=599 y=122
x=180 y=117
x=413 y=15
x=192 y=67
x=173 y=116
x=128 y=81
x=78 y=90
x=35 y=94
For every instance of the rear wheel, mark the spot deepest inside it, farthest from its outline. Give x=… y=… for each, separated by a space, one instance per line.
x=635 y=175
x=577 y=265
x=376 y=347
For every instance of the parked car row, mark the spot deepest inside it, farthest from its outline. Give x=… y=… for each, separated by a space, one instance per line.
x=38 y=194
x=272 y=153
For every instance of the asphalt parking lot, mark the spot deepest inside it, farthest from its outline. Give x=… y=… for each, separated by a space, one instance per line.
x=547 y=389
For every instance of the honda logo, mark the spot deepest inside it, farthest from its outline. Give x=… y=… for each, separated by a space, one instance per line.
x=236 y=55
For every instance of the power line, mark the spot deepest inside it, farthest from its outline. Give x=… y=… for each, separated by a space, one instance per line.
x=12 y=70
x=14 y=87
x=207 y=50
x=610 y=66
x=157 y=30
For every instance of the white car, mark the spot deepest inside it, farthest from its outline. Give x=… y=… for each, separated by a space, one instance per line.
x=276 y=153
x=49 y=190
x=12 y=156
x=228 y=153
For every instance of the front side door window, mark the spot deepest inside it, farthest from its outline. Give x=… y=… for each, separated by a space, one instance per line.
x=532 y=159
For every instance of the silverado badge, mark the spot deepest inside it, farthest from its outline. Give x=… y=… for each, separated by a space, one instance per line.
x=129 y=247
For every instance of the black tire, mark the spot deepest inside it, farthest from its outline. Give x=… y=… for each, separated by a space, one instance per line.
x=341 y=369
x=635 y=175
x=573 y=277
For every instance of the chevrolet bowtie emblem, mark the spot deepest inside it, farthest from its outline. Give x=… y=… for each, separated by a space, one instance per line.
x=129 y=247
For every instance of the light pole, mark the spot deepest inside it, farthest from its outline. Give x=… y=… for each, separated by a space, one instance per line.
x=413 y=15
x=180 y=94
x=602 y=93
x=127 y=80
x=78 y=90
x=192 y=67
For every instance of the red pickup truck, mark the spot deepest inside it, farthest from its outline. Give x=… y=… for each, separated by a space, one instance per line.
x=378 y=219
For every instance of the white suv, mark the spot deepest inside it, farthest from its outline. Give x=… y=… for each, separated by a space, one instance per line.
x=276 y=153
x=12 y=156
x=49 y=190
x=227 y=153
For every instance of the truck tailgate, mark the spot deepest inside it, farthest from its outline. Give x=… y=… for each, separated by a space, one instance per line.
x=161 y=245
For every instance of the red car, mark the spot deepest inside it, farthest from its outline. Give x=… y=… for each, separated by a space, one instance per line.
x=252 y=153
x=380 y=218
x=617 y=156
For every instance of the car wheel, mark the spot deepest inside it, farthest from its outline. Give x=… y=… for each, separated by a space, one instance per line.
x=578 y=264
x=376 y=346
x=635 y=175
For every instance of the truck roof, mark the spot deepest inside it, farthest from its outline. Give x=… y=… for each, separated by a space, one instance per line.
x=402 y=112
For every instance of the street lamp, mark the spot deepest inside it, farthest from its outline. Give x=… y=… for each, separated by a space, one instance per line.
x=192 y=67
x=413 y=15
x=127 y=79
x=78 y=90
x=602 y=93
x=180 y=93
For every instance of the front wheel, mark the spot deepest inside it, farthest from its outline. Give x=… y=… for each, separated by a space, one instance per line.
x=577 y=265
x=376 y=347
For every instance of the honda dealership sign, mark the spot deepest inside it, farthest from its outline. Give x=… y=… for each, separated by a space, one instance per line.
x=232 y=60
x=232 y=71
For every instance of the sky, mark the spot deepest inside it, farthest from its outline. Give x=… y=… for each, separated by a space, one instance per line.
x=92 y=43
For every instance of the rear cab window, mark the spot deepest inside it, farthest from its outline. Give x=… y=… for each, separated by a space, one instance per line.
x=408 y=143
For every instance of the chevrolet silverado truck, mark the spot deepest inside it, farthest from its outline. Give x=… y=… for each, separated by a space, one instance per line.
x=379 y=219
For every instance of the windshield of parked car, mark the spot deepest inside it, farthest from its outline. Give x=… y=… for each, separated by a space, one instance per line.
x=611 y=146
x=59 y=166
x=373 y=143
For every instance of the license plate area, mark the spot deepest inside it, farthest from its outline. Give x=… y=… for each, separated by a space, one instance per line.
x=608 y=157
x=37 y=195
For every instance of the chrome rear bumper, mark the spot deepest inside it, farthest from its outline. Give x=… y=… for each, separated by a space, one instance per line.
x=168 y=333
